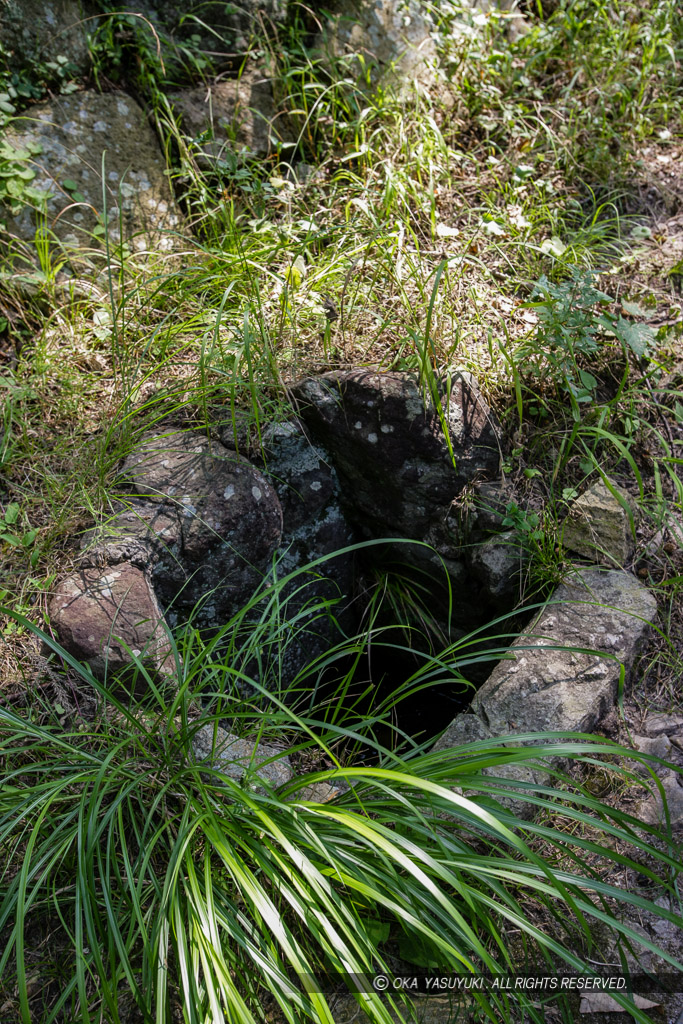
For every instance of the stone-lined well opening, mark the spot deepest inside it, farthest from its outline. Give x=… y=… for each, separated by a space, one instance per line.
x=368 y=473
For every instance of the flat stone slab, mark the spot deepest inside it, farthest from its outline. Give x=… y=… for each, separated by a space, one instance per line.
x=547 y=685
x=564 y=669
x=235 y=757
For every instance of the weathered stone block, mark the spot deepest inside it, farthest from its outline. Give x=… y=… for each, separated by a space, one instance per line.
x=230 y=521
x=42 y=30
x=564 y=671
x=497 y=564
x=389 y=447
x=237 y=757
x=237 y=115
x=598 y=526
x=551 y=682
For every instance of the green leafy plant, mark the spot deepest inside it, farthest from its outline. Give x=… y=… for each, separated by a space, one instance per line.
x=11 y=532
x=16 y=176
x=573 y=322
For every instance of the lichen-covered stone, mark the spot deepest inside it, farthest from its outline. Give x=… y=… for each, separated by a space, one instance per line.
x=314 y=526
x=598 y=525
x=139 y=533
x=38 y=31
x=389 y=448
x=98 y=613
x=301 y=472
x=235 y=116
x=548 y=685
x=230 y=521
x=68 y=138
x=394 y=39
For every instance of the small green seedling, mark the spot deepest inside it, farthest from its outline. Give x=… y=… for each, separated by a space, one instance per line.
x=10 y=533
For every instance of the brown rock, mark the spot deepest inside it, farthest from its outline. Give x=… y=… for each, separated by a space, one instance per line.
x=230 y=520
x=98 y=613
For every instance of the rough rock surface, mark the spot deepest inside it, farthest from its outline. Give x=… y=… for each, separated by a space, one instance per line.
x=71 y=134
x=314 y=526
x=389 y=447
x=237 y=116
x=548 y=687
x=237 y=758
x=97 y=611
x=497 y=564
x=393 y=37
x=138 y=533
x=488 y=508
x=651 y=809
x=34 y=31
x=663 y=738
x=230 y=520
x=598 y=526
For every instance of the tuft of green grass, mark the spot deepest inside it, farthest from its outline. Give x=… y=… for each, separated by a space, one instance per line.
x=162 y=880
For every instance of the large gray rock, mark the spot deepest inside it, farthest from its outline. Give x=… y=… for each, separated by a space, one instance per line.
x=393 y=37
x=389 y=448
x=38 y=31
x=549 y=684
x=565 y=668
x=230 y=521
x=99 y=613
x=68 y=138
x=236 y=117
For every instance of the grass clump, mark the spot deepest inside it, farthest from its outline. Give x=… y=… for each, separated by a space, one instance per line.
x=164 y=883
